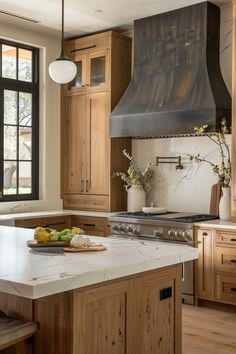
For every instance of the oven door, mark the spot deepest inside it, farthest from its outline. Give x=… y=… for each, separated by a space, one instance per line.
x=188 y=296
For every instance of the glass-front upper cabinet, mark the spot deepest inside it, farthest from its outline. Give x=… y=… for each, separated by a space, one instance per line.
x=98 y=78
x=79 y=83
x=92 y=73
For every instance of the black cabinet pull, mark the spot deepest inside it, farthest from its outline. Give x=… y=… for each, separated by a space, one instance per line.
x=233 y=289
x=92 y=225
x=233 y=239
x=204 y=234
x=79 y=49
x=233 y=260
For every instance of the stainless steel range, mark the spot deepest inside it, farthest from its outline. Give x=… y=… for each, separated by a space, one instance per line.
x=169 y=227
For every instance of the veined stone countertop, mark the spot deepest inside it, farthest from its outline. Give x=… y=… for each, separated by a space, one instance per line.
x=217 y=224
x=9 y=219
x=30 y=274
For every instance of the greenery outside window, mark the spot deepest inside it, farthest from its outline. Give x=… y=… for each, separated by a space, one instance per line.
x=19 y=112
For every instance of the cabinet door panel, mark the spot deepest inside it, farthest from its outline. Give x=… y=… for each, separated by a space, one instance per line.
x=157 y=316
x=78 y=84
x=102 y=320
x=98 y=65
x=205 y=269
x=75 y=145
x=97 y=180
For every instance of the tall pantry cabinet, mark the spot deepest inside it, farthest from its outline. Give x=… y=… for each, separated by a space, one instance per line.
x=89 y=156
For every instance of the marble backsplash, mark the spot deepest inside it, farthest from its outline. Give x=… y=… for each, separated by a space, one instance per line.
x=184 y=190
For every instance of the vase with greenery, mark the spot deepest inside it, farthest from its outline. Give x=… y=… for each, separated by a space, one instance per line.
x=137 y=182
x=222 y=169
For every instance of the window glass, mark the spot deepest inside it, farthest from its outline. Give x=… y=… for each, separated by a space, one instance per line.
x=10 y=107
x=25 y=65
x=18 y=123
x=9 y=54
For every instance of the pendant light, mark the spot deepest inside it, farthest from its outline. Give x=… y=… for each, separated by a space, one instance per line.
x=62 y=70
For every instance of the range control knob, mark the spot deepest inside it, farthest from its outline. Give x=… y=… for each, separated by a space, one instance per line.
x=176 y=233
x=115 y=227
x=170 y=233
x=129 y=229
x=157 y=232
x=136 y=231
x=122 y=228
x=183 y=234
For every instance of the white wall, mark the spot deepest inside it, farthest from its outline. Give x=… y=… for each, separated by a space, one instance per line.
x=49 y=133
x=189 y=189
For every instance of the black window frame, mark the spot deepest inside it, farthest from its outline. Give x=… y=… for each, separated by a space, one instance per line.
x=29 y=87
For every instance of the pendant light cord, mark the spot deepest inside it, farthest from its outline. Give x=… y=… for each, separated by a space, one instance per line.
x=62 y=27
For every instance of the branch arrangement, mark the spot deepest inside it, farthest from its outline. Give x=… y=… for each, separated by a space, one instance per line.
x=135 y=176
x=223 y=169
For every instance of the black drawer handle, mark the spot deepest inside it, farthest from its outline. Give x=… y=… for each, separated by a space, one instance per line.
x=79 y=49
x=233 y=260
x=204 y=234
x=233 y=239
x=233 y=289
x=92 y=225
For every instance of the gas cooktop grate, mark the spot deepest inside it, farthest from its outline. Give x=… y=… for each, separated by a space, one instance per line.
x=187 y=218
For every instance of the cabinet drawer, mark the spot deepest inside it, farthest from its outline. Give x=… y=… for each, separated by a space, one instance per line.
x=226 y=238
x=226 y=288
x=225 y=259
x=86 y=202
x=58 y=222
x=91 y=226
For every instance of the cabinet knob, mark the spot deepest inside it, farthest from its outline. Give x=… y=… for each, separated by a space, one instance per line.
x=87 y=84
x=204 y=234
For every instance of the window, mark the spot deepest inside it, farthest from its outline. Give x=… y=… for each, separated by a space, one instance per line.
x=19 y=92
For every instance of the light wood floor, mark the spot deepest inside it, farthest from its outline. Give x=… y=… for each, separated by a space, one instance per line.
x=208 y=331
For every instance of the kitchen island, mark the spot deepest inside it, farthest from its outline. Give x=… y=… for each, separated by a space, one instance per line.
x=126 y=299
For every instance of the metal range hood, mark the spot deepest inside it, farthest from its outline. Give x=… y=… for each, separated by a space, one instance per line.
x=177 y=82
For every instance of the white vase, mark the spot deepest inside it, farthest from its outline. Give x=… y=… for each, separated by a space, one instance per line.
x=225 y=204
x=136 y=198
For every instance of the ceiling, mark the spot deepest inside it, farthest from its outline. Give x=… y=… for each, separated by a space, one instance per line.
x=86 y=16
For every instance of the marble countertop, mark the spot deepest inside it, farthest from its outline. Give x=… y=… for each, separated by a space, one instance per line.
x=9 y=219
x=25 y=273
x=217 y=224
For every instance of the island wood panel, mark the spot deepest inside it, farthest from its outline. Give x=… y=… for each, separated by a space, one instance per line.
x=55 y=335
x=123 y=316
x=157 y=321
x=233 y=184
x=103 y=319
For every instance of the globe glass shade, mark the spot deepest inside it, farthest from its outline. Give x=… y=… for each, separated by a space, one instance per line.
x=62 y=71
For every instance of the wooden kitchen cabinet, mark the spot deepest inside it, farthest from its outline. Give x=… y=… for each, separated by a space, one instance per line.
x=95 y=226
x=205 y=266
x=55 y=222
x=216 y=270
x=225 y=266
x=155 y=313
x=89 y=156
x=138 y=314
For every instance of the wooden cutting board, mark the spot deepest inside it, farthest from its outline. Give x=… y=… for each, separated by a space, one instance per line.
x=85 y=249
x=36 y=244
